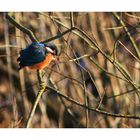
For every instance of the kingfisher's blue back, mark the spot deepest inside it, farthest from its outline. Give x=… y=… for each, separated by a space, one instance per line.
x=34 y=53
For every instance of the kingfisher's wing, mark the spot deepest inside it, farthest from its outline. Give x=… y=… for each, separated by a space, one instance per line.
x=33 y=54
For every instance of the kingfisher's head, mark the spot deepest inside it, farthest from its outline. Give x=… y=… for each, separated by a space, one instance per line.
x=51 y=48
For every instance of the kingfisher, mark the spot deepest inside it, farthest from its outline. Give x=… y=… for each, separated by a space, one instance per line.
x=37 y=55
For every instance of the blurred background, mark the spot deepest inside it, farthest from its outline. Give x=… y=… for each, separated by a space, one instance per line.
x=85 y=74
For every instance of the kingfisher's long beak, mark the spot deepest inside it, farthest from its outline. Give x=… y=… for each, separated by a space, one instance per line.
x=56 y=61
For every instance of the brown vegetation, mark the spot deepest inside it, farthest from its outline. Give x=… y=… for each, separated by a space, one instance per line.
x=98 y=83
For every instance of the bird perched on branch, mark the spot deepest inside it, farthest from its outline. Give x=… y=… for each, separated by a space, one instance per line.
x=37 y=56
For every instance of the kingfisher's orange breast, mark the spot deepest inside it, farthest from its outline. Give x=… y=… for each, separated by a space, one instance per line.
x=44 y=63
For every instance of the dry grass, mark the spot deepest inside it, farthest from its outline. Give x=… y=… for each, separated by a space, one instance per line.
x=99 y=67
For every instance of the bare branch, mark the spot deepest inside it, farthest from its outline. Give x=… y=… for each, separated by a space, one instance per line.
x=92 y=109
x=21 y=27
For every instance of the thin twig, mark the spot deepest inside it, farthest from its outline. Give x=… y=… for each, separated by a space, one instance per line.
x=21 y=27
x=124 y=93
x=84 y=87
x=92 y=109
x=129 y=35
x=64 y=104
x=129 y=51
x=71 y=19
x=58 y=35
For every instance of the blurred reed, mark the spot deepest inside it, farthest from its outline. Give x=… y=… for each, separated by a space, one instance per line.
x=86 y=74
